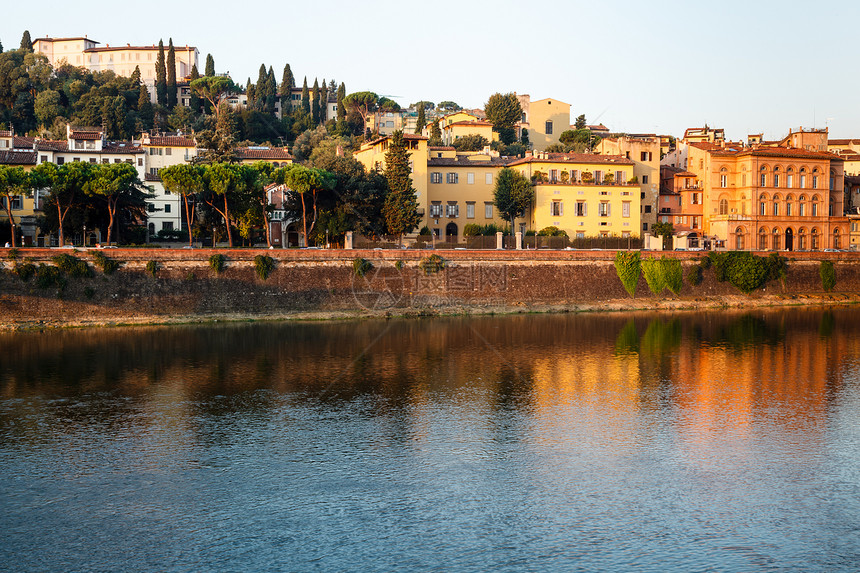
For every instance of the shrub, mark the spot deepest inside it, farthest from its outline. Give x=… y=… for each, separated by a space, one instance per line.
x=89 y=292
x=654 y=275
x=425 y=231
x=108 y=266
x=398 y=265
x=216 y=263
x=24 y=270
x=361 y=266
x=472 y=230
x=777 y=268
x=672 y=274
x=432 y=264
x=705 y=262
x=12 y=254
x=744 y=270
x=72 y=266
x=48 y=276
x=629 y=268
x=552 y=231
x=828 y=275
x=264 y=265
x=694 y=275
x=152 y=268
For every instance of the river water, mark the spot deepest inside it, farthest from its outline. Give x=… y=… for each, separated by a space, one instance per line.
x=692 y=442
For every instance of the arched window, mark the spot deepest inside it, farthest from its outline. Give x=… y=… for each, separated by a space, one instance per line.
x=789 y=177
x=815 y=178
x=763 y=176
x=776 y=176
x=775 y=241
x=801 y=206
x=814 y=240
x=788 y=205
x=776 y=205
x=762 y=205
x=739 y=239
x=815 y=206
x=724 y=177
x=803 y=177
x=724 y=207
x=801 y=239
x=762 y=239
x=743 y=204
x=836 y=244
x=832 y=180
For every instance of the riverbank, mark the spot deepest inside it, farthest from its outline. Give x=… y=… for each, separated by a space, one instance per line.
x=177 y=286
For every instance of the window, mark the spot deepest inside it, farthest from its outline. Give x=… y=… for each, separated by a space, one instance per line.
x=603 y=209
x=814 y=239
x=556 y=209
x=625 y=209
x=105 y=160
x=167 y=225
x=452 y=210
x=167 y=207
x=643 y=156
x=488 y=178
x=79 y=144
x=93 y=160
x=488 y=210
x=168 y=151
x=470 y=178
x=43 y=158
x=581 y=209
x=644 y=179
x=470 y=210
x=452 y=178
x=694 y=199
x=776 y=206
x=775 y=243
x=647 y=210
x=788 y=208
x=739 y=239
x=802 y=180
x=724 y=181
x=815 y=181
x=789 y=179
x=776 y=179
x=763 y=182
x=61 y=160
x=435 y=210
x=815 y=206
x=620 y=177
x=549 y=128
x=435 y=177
x=762 y=239
x=724 y=207
x=801 y=206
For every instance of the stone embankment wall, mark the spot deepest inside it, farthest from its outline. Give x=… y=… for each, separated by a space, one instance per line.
x=324 y=283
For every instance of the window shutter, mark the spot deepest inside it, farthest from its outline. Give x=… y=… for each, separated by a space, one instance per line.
x=561 y=208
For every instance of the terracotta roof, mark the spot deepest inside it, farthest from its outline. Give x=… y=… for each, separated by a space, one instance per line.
x=473 y=122
x=85 y=135
x=22 y=141
x=782 y=152
x=843 y=142
x=274 y=153
x=120 y=48
x=172 y=141
x=599 y=127
x=65 y=39
x=17 y=157
x=406 y=136
x=576 y=158
x=685 y=174
x=441 y=148
x=5 y=133
x=120 y=147
x=705 y=145
x=50 y=145
x=464 y=161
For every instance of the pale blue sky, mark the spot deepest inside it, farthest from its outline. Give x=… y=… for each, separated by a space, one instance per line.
x=660 y=66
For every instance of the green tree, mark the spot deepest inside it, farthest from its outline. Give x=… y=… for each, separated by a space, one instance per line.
x=401 y=203
x=385 y=104
x=315 y=99
x=580 y=122
x=171 y=75
x=271 y=91
x=48 y=107
x=219 y=144
x=435 y=135
x=185 y=180
x=209 y=70
x=260 y=89
x=214 y=89
x=144 y=108
x=504 y=111
x=323 y=102
x=448 y=106
x=14 y=181
x=66 y=185
x=341 y=108
x=288 y=82
x=112 y=182
x=665 y=230
x=160 y=76
x=524 y=137
x=363 y=103
x=471 y=142
x=26 y=42
x=194 y=99
x=305 y=181
x=220 y=181
x=134 y=80
x=512 y=194
x=421 y=121
x=306 y=97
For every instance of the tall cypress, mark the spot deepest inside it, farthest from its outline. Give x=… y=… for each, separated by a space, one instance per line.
x=251 y=92
x=306 y=97
x=260 y=89
x=401 y=204
x=419 y=125
x=286 y=89
x=26 y=42
x=210 y=66
x=160 y=76
x=271 y=91
x=171 y=75
x=144 y=108
x=323 y=102
x=135 y=76
x=315 y=101
x=341 y=110
x=195 y=100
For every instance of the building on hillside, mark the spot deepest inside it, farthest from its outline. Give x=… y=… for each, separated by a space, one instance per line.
x=277 y=156
x=16 y=151
x=771 y=198
x=704 y=135
x=451 y=132
x=122 y=60
x=460 y=191
x=584 y=194
x=385 y=122
x=644 y=151
x=545 y=120
x=849 y=151
x=165 y=211
x=682 y=203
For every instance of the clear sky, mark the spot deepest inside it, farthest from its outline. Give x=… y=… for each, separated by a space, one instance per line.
x=638 y=66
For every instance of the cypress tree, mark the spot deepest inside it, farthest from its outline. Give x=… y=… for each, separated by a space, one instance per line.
x=210 y=66
x=419 y=125
x=286 y=90
x=323 y=102
x=271 y=91
x=171 y=75
x=26 y=42
x=160 y=76
x=135 y=76
x=341 y=110
x=195 y=100
x=251 y=93
x=120 y=116
x=315 y=114
x=260 y=89
x=306 y=97
x=144 y=108
x=401 y=204
x=1 y=47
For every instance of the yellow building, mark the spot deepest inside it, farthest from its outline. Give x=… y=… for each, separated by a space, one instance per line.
x=18 y=152
x=451 y=132
x=372 y=156
x=644 y=151
x=545 y=120
x=849 y=151
x=704 y=135
x=460 y=191
x=584 y=194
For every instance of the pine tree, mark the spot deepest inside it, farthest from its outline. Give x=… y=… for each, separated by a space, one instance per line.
x=401 y=204
x=160 y=76
x=210 y=66
x=195 y=100
x=144 y=108
x=341 y=110
x=306 y=97
x=419 y=125
x=315 y=102
x=135 y=76
x=323 y=102
x=120 y=116
x=171 y=75
x=260 y=89
x=26 y=42
x=271 y=91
